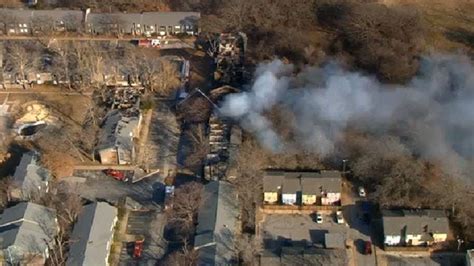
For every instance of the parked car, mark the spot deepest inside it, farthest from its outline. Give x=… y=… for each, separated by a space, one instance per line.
x=362 y=193
x=116 y=174
x=138 y=247
x=319 y=218
x=339 y=217
x=368 y=247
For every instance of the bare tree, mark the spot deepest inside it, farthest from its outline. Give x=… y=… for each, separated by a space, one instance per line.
x=42 y=26
x=199 y=146
x=22 y=57
x=68 y=205
x=187 y=256
x=184 y=207
x=159 y=76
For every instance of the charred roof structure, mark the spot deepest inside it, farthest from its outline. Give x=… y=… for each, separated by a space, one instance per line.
x=224 y=139
x=230 y=58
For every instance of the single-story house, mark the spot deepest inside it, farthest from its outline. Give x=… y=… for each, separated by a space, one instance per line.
x=307 y=188
x=30 y=178
x=92 y=235
x=120 y=129
x=25 y=231
x=414 y=227
x=218 y=223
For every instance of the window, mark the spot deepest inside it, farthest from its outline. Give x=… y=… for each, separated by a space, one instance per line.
x=177 y=27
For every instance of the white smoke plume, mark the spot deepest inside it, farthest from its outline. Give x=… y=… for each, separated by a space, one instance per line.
x=435 y=110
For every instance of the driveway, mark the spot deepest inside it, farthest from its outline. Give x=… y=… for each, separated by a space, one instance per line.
x=98 y=186
x=162 y=142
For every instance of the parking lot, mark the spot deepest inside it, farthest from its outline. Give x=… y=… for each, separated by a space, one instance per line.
x=277 y=228
x=98 y=186
x=149 y=225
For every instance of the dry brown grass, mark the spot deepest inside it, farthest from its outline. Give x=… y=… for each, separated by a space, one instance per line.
x=449 y=24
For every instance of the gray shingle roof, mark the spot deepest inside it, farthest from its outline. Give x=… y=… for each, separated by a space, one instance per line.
x=414 y=221
x=28 y=15
x=91 y=234
x=29 y=175
x=26 y=227
x=306 y=182
x=217 y=224
x=127 y=20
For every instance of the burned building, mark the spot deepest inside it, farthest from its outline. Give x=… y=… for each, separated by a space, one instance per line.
x=230 y=58
x=224 y=138
x=121 y=127
x=120 y=130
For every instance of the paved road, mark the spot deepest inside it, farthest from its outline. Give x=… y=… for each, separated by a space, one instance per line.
x=148 y=192
x=163 y=139
x=80 y=38
x=8 y=92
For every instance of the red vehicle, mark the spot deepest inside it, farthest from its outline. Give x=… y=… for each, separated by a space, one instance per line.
x=118 y=175
x=138 y=248
x=368 y=248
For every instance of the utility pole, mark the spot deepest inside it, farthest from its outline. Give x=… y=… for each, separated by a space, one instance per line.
x=344 y=161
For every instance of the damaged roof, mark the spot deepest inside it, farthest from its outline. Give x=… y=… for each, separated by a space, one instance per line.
x=118 y=130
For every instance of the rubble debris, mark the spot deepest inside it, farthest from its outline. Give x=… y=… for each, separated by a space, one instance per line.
x=229 y=58
x=121 y=126
x=224 y=138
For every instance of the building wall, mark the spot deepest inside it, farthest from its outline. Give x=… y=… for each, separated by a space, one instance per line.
x=470 y=257
x=414 y=240
x=331 y=198
x=289 y=199
x=440 y=237
x=270 y=197
x=392 y=240
x=309 y=199
x=108 y=156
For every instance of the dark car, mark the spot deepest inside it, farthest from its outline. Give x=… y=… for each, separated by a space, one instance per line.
x=368 y=247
